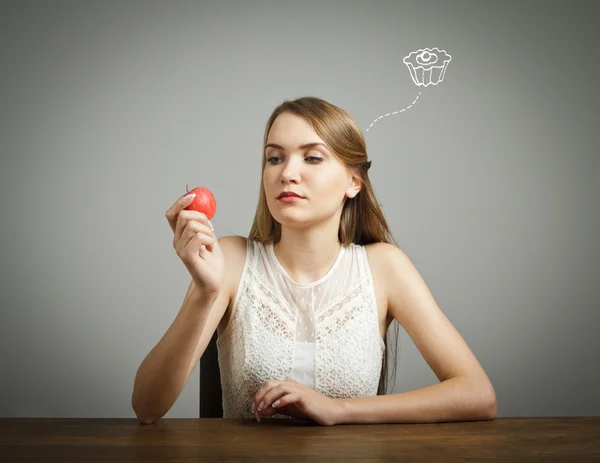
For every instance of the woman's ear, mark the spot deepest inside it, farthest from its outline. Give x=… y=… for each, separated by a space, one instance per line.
x=355 y=186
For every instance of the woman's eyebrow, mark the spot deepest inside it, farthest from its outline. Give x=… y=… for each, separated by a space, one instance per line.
x=307 y=145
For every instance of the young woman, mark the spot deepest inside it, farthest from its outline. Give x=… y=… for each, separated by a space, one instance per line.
x=302 y=306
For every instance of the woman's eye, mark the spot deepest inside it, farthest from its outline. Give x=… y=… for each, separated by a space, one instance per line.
x=313 y=159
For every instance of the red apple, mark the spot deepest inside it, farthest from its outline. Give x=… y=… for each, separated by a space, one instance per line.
x=204 y=201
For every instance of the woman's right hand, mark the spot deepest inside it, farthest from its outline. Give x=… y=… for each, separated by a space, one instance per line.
x=197 y=246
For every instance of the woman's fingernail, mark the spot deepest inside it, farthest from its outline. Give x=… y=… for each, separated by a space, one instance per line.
x=275 y=404
x=211 y=225
x=190 y=196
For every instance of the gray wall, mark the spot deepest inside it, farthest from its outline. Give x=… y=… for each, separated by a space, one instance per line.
x=489 y=182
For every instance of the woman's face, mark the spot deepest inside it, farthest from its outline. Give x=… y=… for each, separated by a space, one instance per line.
x=313 y=172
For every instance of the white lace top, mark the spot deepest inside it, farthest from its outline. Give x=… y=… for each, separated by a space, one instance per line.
x=324 y=334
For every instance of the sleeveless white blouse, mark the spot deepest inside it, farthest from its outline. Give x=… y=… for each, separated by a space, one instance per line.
x=324 y=334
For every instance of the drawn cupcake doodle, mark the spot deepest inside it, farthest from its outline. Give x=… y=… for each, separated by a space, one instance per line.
x=427 y=67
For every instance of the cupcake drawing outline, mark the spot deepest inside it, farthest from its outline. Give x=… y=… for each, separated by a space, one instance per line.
x=427 y=66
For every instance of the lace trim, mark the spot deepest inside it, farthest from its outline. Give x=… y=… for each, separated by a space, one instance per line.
x=339 y=312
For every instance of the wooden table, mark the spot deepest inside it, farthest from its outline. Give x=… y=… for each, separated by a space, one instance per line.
x=563 y=440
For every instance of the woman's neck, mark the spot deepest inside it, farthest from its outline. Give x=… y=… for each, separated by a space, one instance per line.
x=307 y=259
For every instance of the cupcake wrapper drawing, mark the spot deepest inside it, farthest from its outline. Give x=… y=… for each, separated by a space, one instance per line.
x=427 y=66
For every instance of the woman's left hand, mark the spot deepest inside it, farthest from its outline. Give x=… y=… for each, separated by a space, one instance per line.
x=296 y=400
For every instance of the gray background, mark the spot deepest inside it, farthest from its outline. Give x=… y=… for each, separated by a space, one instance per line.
x=489 y=182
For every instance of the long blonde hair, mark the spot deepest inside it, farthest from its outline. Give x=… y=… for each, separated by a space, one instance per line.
x=362 y=221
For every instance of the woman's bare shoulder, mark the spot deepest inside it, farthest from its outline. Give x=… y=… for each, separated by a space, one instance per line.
x=377 y=251
x=234 y=252
x=235 y=242
x=378 y=255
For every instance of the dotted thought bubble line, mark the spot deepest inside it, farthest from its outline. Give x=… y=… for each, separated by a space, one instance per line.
x=395 y=112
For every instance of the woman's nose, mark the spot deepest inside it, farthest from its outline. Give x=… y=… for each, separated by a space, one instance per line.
x=291 y=170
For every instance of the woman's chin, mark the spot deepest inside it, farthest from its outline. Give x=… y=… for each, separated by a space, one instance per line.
x=291 y=219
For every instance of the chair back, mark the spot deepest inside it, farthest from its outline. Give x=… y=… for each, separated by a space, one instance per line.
x=211 y=394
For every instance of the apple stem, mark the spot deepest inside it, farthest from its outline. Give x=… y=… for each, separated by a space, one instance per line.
x=186 y=188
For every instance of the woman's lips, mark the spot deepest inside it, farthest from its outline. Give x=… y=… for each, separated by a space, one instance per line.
x=290 y=199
